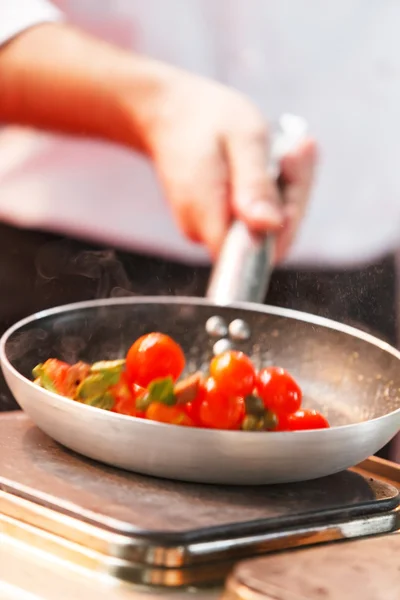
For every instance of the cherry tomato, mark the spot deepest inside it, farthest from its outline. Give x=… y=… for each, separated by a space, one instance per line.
x=174 y=415
x=137 y=390
x=218 y=410
x=233 y=373
x=278 y=390
x=56 y=372
x=125 y=396
x=154 y=356
x=192 y=409
x=126 y=406
x=301 y=420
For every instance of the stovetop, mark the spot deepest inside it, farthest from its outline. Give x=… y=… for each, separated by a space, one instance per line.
x=145 y=525
x=364 y=569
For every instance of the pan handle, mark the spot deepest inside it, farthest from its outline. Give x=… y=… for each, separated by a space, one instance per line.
x=243 y=268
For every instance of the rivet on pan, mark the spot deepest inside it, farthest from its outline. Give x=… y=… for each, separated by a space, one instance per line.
x=239 y=330
x=216 y=327
x=221 y=346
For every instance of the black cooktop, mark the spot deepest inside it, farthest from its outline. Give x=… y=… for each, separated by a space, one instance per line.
x=35 y=467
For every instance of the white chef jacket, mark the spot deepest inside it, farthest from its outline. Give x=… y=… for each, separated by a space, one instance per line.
x=337 y=64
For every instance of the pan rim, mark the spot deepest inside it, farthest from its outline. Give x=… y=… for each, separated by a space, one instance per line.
x=195 y=301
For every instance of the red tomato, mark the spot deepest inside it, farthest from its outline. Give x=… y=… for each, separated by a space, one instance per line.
x=192 y=409
x=137 y=390
x=233 y=373
x=279 y=391
x=125 y=406
x=154 y=356
x=220 y=411
x=56 y=372
x=125 y=397
x=301 y=420
x=174 y=415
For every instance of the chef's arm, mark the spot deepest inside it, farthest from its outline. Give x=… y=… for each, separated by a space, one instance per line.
x=208 y=143
x=57 y=78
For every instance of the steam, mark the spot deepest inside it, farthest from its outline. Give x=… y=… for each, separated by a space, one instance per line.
x=67 y=273
x=109 y=278
x=61 y=262
x=104 y=267
x=24 y=342
x=58 y=259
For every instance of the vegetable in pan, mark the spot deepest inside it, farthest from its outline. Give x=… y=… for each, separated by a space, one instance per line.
x=148 y=384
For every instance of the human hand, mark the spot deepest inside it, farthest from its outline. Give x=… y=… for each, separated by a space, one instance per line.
x=209 y=143
x=210 y=147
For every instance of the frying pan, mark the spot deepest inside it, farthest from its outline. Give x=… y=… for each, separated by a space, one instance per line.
x=352 y=377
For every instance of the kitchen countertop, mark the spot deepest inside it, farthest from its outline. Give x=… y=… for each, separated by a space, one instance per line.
x=37 y=576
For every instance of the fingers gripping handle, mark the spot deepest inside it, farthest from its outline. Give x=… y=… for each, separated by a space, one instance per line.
x=243 y=268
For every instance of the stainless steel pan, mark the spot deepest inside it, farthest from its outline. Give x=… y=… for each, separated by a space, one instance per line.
x=350 y=376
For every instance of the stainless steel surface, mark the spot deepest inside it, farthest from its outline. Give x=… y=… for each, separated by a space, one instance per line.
x=136 y=527
x=239 y=330
x=170 y=513
x=243 y=268
x=216 y=327
x=107 y=553
x=55 y=568
x=196 y=574
x=351 y=376
x=221 y=346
